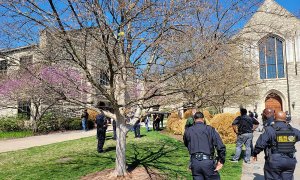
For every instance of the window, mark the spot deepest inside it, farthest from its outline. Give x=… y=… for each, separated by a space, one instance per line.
x=103 y=79
x=3 y=67
x=25 y=61
x=24 y=109
x=271 y=63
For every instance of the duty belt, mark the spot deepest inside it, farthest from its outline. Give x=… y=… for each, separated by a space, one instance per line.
x=201 y=156
x=291 y=155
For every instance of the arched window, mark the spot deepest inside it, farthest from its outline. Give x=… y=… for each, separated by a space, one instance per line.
x=271 y=63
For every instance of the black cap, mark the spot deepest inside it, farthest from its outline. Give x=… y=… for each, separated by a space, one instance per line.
x=198 y=115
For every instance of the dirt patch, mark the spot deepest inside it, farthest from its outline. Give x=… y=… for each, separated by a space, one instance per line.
x=139 y=173
x=175 y=136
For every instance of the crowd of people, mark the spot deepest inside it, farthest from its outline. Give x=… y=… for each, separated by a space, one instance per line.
x=102 y=124
x=277 y=141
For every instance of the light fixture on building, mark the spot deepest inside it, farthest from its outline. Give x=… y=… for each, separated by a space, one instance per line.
x=293 y=104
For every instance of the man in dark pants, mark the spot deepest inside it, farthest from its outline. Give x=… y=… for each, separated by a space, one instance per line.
x=201 y=141
x=245 y=125
x=101 y=130
x=278 y=141
x=114 y=123
x=137 y=127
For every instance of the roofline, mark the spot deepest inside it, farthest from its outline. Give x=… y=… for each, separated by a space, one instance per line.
x=19 y=48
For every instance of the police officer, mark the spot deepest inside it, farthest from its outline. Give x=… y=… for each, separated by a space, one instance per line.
x=101 y=130
x=278 y=141
x=201 y=141
x=114 y=123
x=268 y=116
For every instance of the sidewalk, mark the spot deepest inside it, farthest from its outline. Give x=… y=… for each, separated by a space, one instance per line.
x=255 y=170
x=28 y=142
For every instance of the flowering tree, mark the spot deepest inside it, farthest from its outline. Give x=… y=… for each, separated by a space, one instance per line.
x=44 y=88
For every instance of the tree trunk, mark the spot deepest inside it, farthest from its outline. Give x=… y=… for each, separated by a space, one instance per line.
x=122 y=130
x=34 y=126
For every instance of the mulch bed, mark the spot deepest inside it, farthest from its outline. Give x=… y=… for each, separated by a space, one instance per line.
x=139 y=173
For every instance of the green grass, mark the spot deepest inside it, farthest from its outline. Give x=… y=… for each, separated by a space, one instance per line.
x=76 y=158
x=18 y=134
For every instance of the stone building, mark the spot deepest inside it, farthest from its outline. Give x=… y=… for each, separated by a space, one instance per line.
x=271 y=40
x=11 y=60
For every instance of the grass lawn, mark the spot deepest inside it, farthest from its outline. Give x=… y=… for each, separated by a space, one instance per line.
x=11 y=135
x=76 y=158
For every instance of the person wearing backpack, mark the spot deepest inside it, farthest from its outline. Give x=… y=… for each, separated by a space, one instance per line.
x=278 y=142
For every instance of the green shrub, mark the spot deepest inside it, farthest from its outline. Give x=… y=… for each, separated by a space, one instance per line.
x=11 y=124
x=75 y=124
x=48 y=123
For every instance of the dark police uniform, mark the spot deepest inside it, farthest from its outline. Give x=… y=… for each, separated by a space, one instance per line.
x=269 y=121
x=114 y=123
x=278 y=142
x=101 y=131
x=201 y=141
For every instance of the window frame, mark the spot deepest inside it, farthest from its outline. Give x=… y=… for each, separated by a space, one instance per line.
x=103 y=79
x=264 y=42
x=3 y=71
x=24 y=108
x=26 y=63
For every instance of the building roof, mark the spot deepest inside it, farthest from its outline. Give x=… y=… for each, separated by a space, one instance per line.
x=18 y=48
x=270 y=17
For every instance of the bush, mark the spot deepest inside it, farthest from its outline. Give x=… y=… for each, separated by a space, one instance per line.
x=48 y=123
x=92 y=114
x=75 y=124
x=12 y=124
x=51 y=122
x=175 y=124
x=222 y=123
x=207 y=117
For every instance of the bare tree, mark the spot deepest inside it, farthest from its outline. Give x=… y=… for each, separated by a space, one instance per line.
x=142 y=47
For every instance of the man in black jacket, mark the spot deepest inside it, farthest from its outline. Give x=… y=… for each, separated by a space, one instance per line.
x=245 y=125
x=101 y=130
x=201 y=141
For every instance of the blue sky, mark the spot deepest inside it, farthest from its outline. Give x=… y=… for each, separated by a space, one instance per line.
x=292 y=6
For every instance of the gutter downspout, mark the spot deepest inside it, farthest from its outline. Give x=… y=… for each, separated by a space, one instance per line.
x=287 y=82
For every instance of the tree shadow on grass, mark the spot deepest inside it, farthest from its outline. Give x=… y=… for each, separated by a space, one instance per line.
x=163 y=158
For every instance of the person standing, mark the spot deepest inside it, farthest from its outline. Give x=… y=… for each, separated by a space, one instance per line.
x=268 y=117
x=84 y=119
x=201 y=141
x=278 y=142
x=136 y=128
x=288 y=117
x=101 y=130
x=114 y=123
x=244 y=133
x=251 y=115
x=190 y=120
x=156 y=122
x=147 y=120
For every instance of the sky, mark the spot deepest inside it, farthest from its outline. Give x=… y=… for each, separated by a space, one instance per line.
x=292 y=6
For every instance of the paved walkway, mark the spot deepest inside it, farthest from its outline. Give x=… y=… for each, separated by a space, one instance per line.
x=255 y=170
x=28 y=142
